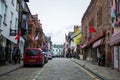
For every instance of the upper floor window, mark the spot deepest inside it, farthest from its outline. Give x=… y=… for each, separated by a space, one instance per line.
x=0 y=20
x=3 y=1
x=11 y=19
x=99 y=17
x=91 y=23
x=17 y=6
x=118 y=7
x=16 y=23
x=26 y=0
x=12 y=1
x=5 y=14
x=22 y=3
x=11 y=15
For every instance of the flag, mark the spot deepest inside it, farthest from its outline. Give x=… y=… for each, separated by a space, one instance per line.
x=36 y=38
x=18 y=36
x=92 y=29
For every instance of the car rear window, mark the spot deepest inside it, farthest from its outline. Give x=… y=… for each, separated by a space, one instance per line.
x=32 y=52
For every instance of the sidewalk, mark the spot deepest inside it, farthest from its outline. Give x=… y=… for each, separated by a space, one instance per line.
x=106 y=73
x=4 y=69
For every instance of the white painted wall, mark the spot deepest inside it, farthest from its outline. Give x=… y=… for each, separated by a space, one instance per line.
x=6 y=28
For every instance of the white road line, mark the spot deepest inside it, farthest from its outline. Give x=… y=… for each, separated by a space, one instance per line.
x=93 y=76
x=39 y=73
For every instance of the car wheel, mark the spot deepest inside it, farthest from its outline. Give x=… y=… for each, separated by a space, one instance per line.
x=24 y=65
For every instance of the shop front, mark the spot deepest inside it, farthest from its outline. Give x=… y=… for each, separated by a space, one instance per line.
x=90 y=48
x=98 y=48
x=115 y=49
x=7 y=43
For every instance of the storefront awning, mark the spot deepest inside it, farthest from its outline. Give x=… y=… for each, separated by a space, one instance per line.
x=12 y=39
x=97 y=37
x=115 y=38
x=84 y=45
x=98 y=43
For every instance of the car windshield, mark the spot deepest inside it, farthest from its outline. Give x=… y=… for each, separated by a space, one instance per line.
x=32 y=52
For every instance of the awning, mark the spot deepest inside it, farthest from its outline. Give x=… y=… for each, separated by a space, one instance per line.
x=115 y=38
x=97 y=37
x=84 y=45
x=100 y=35
x=98 y=43
x=12 y=39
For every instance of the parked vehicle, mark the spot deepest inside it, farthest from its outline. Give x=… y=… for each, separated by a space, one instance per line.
x=49 y=55
x=45 y=57
x=33 y=56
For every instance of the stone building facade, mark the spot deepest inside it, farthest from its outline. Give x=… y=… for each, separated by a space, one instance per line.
x=97 y=16
x=115 y=39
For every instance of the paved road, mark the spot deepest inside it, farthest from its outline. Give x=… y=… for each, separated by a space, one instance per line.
x=55 y=69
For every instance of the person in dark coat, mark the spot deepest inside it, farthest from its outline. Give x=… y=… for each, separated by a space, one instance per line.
x=16 y=54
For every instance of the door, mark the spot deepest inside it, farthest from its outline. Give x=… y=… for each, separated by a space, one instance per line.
x=115 y=57
x=119 y=59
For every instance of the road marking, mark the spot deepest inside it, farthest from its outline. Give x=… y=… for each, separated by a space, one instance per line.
x=39 y=73
x=89 y=73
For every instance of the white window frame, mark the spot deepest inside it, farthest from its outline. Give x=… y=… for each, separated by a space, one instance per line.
x=0 y=21
x=11 y=19
x=5 y=14
x=16 y=23
x=17 y=6
x=12 y=1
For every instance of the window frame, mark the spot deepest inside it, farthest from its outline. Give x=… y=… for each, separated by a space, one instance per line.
x=5 y=14
x=12 y=1
x=0 y=21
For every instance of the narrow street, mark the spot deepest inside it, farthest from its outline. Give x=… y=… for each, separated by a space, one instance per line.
x=55 y=69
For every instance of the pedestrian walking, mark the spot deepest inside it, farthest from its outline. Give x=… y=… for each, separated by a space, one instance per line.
x=16 y=54
x=2 y=54
x=19 y=55
x=103 y=58
x=7 y=52
x=98 y=57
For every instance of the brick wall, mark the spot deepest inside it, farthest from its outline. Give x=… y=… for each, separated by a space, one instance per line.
x=91 y=15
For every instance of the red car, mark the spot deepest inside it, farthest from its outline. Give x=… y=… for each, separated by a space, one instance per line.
x=33 y=56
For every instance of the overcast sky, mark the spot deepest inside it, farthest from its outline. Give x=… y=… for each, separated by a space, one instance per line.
x=58 y=16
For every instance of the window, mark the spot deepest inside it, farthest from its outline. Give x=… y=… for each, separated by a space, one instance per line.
x=91 y=23
x=12 y=1
x=5 y=15
x=23 y=3
x=99 y=17
x=0 y=20
x=32 y=52
x=11 y=19
x=4 y=1
x=10 y=23
x=119 y=7
x=17 y=6
x=0 y=7
x=16 y=23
